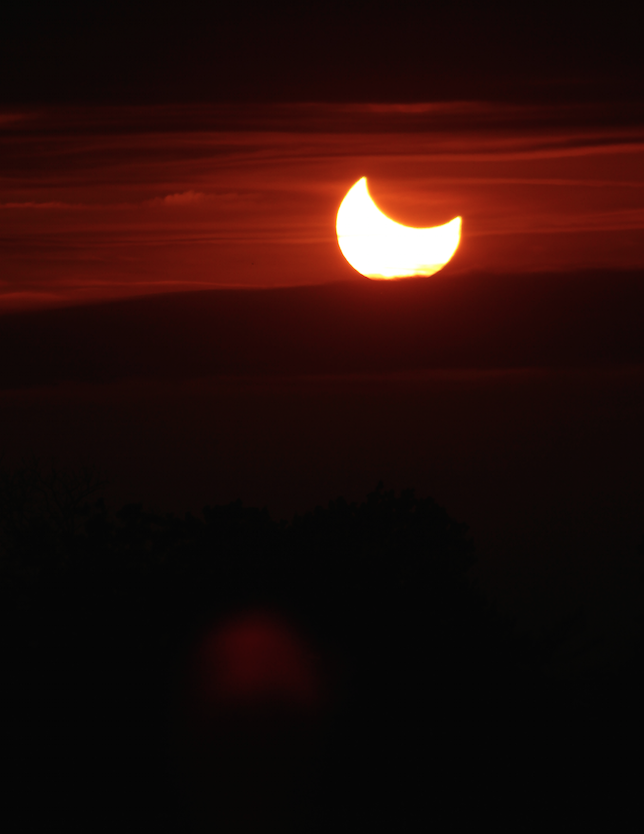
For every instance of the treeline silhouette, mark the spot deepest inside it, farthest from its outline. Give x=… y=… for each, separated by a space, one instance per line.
x=436 y=703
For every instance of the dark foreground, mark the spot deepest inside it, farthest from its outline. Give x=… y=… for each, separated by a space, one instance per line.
x=231 y=673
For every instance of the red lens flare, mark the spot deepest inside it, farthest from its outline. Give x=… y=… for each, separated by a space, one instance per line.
x=255 y=659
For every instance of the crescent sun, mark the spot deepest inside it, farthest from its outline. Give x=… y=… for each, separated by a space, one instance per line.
x=380 y=248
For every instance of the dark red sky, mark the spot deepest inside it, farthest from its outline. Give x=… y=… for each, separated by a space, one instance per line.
x=102 y=202
x=337 y=50
x=148 y=150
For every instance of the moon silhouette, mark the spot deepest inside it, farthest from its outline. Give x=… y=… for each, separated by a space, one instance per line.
x=380 y=248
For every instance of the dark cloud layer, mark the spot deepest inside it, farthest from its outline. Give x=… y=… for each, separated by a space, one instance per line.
x=582 y=319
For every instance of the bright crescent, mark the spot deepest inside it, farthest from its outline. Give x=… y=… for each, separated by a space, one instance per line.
x=380 y=248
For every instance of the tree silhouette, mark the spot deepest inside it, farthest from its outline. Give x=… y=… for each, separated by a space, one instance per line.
x=100 y=610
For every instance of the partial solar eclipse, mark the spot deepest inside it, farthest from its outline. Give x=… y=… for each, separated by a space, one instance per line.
x=380 y=248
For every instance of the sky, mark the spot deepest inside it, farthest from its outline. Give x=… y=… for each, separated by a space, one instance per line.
x=112 y=201
x=175 y=309
x=337 y=50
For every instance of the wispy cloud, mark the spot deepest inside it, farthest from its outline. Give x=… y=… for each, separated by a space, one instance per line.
x=245 y=195
x=33 y=205
x=182 y=198
x=10 y=119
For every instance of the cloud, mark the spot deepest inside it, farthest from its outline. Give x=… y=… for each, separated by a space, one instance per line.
x=32 y=205
x=10 y=118
x=183 y=198
x=29 y=300
x=238 y=195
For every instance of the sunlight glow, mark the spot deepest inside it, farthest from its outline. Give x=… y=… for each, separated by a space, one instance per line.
x=380 y=248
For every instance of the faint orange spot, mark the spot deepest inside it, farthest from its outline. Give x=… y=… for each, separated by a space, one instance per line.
x=255 y=658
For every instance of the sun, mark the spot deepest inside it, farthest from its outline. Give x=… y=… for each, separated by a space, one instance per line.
x=380 y=248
